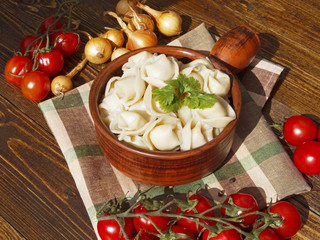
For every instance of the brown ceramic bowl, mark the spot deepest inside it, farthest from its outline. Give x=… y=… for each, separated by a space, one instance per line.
x=165 y=168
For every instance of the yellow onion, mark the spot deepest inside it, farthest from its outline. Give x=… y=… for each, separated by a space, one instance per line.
x=141 y=22
x=115 y=37
x=168 y=22
x=98 y=50
x=139 y=38
x=117 y=52
x=61 y=84
x=125 y=8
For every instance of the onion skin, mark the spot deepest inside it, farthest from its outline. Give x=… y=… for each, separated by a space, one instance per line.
x=98 y=50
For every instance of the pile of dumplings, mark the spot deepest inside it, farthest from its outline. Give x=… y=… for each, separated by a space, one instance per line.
x=131 y=113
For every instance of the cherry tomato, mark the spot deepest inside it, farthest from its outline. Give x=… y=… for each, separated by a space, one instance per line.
x=67 y=43
x=31 y=43
x=18 y=66
x=230 y=234
x=268 y=234
x=35 y=85
x=245 y=201
x=144 y=237
x=51 y=62
x=319 y=134
x=202 y=205
x=144 y=224
x=306 y=157
x=110 y=230
x=51 y=23
x=291 y=219
x=299 y=129
x=182 y=230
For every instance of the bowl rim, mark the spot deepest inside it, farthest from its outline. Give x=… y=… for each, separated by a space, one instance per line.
x=100 y=81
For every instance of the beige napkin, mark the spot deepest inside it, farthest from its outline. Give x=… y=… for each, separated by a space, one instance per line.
x=257 y=163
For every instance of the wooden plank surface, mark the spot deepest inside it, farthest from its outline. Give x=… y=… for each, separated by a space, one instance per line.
x=39 y=199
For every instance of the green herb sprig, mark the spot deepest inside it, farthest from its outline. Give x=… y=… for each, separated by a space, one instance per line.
x=183 y=91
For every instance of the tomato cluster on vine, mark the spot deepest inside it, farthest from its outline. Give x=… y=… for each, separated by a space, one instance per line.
x=197 y=217
x=302 y=132
x=42 y=54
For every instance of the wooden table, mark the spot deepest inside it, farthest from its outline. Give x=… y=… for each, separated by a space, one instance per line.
x=39 y=199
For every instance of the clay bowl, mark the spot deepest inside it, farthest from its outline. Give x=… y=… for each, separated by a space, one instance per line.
x=167 y=168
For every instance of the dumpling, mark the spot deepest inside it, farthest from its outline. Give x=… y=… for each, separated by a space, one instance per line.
x=218 y=116
x=194 y=136
x=130 y=121
x=137 y=60
x=163 y=134
x=153 y=107
x=211 y=79
x=160 y=69
x=129 y=89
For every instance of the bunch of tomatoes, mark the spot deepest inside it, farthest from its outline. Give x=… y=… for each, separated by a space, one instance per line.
x=42 y=55
x=196 y=217
x=303 y=133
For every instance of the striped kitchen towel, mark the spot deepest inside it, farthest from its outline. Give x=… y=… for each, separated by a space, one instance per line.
x=257 y=163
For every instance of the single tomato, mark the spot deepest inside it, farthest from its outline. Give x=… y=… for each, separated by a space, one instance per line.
x=230 y=234
x=35 y=85
x=291 y=219
x=306 y=157
x=299 y=129
x=31 y=43
x=109 y=229
x=244 y=201
x=144 y=224
x=67 y=43
x=51 y=62
x=203 y=204
x=268 y=234
x=52 y=23
x=16 y=68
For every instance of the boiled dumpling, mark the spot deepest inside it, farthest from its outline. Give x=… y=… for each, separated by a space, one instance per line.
x=160 y=69
x=153 y=107
x=218 y=116
x=193 y=136
x=130 y=121
x=129 y=89
x=163 y=133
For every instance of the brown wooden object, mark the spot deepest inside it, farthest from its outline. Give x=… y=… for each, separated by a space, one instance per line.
x=167 y=167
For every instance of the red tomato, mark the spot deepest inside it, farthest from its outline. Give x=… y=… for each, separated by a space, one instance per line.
x=35 y=85
x=244 y=201
x=291 y=219
x=144 y=224
x=306 y=157
x=51 y=62
x=299 y=129
x=182 y=230
x=319 y=134
x=268 y=234
x=67 y=43
x=144 y=237
x=31 y=43
x=230 y=234
x=110 y=230
x=52 y=23
x=18 y=66
x=202 y=205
